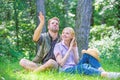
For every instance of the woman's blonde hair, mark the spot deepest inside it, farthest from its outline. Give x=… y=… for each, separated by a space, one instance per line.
x=71 y=31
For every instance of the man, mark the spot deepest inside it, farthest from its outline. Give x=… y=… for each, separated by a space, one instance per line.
x=47 y=42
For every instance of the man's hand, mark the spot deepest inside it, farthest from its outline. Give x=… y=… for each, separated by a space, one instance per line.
x=41 y=18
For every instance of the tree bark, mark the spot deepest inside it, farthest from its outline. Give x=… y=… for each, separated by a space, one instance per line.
x=118 y=14
x=83 y=19
x=66 y=7
x=16 y=23
x=92 y=18
x=41 y=8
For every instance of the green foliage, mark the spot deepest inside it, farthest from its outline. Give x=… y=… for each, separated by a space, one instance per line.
x=107 y=12
x=100 y=32
x=58 y=9
x=17 y=24
x=7 y=47
x=107 y=40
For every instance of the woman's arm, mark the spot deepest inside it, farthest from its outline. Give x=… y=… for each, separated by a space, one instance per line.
x=61 y=60
x=76 y=55
x=75 y=50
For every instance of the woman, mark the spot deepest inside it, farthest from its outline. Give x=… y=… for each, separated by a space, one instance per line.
x=66 y=53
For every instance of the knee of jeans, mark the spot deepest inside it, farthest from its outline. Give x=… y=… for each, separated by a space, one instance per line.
x=85 y=66
x=70 y=70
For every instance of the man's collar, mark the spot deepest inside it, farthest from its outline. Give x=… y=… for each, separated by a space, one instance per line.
x=51 y=37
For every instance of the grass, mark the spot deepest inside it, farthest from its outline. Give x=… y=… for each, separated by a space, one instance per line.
x=10 y=70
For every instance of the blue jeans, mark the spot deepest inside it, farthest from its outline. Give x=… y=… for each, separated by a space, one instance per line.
x=87 y=65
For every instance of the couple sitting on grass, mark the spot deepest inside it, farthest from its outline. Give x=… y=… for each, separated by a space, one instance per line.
x=54 y=51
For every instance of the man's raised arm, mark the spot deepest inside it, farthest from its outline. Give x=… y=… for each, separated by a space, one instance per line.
x=38 y=30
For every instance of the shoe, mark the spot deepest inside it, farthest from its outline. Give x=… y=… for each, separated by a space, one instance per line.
x=113 y=75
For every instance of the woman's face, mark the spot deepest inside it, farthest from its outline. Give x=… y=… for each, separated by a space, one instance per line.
x=66 y=35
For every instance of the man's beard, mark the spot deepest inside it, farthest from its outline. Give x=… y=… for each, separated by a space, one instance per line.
x=55 y=31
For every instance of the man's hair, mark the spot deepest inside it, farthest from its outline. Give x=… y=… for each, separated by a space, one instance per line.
x=54 y=18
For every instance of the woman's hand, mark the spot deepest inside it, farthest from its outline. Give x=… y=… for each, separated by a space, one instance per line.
x=73 y=44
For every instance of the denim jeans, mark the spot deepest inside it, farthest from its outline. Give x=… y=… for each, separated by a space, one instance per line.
x=87 y=65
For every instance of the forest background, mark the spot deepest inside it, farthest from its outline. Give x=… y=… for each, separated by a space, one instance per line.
x=19 y=18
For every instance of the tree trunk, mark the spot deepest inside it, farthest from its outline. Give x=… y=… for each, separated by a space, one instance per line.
x=66 y=7
x=118 y=14
x=82 y=29
x=92 y=18
x=41 y=8
x=16 y=23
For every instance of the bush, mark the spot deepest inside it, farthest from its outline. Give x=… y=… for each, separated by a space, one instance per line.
x=108 y=44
